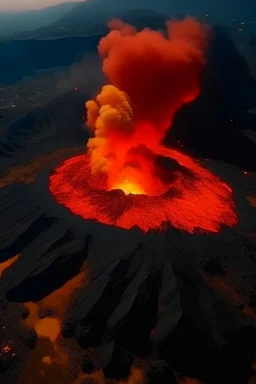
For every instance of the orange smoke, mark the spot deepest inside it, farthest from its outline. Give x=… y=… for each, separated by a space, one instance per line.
x=152 y=75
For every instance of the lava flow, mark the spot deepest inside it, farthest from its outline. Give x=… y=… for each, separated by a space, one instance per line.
x=127 y=177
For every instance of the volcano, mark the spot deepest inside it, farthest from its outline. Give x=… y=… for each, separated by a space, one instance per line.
x=123 y=250
x=194 y=200
x=128 y=178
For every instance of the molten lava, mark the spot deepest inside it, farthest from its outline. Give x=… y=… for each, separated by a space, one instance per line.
x=128 y=187
x=191 y=202
x=128 y=178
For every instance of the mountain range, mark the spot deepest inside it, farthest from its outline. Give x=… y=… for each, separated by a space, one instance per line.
x=15 y=22
x=74 y=29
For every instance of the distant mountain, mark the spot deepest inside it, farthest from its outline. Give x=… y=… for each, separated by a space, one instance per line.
x=78 y=32
x=98 y=10
x=37 y=54
x=90 y=16
x=50 y=47
x=15 y=22
x=222 y=10
x=90 y=26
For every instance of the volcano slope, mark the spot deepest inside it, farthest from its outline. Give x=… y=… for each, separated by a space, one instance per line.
x=140 y=285
x=184 y=297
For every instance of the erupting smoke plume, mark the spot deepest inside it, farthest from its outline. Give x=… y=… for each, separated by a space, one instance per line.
x=152 y=76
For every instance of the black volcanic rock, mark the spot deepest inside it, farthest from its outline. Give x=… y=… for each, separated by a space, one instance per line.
x=3 y=303
x=115 y=362
x=214 y=267
x=117 y=289
x=30 y=337
x=42 y=313
x=87 y=364
x=68 y=327
x=228 y=90
x=84 y=335
x=166 y=168
x=24 y=311
x=160 y=372
x=117 y=193
x=6 y=361
x=59 y=255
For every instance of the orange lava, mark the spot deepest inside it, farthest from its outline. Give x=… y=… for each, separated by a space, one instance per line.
x=49 y=361
x=58 y=300
x=6 y=264
x=48 y=327
x=193 y=200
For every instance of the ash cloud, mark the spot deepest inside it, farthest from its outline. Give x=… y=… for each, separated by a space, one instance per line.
x=152 y=75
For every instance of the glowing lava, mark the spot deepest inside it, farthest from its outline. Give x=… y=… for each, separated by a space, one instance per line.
x=200 y=201
x=129 y=187
x=128 y=178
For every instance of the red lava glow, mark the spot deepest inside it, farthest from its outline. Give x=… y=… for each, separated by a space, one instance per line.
x=127 y=178
x=200 y=201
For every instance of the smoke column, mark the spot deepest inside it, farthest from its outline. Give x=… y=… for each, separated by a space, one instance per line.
x=152 y=75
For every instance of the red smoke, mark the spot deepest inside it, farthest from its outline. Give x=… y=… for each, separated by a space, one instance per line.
x=158 y=72
x=152 y=75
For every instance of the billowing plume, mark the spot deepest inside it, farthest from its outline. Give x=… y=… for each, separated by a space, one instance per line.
x=152 y=75
x=111 y=117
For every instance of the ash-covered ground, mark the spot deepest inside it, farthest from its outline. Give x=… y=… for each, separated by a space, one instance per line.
x=83 y=302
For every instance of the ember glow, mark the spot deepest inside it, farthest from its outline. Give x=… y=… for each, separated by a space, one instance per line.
x=128 y=178
x=194 y=200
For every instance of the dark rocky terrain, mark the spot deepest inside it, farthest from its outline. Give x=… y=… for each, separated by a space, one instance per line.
x=78 y=299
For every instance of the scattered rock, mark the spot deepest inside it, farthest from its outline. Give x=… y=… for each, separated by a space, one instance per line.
x=214 y=267
x=68 y=327
x=5 y=363
x=160 y=372
x=42 y=313
x=49 y=312
x=24 y=311
x=30 y=337
x=83 y=335
x=87 y=365
x=115 y=362
x=7 y=357
x=3 y=303
x=117 y=193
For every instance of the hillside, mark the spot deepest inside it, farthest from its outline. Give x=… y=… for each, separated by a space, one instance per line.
x=97 y=25
x=222 y=10
x=90 y=16
x=15 y=22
